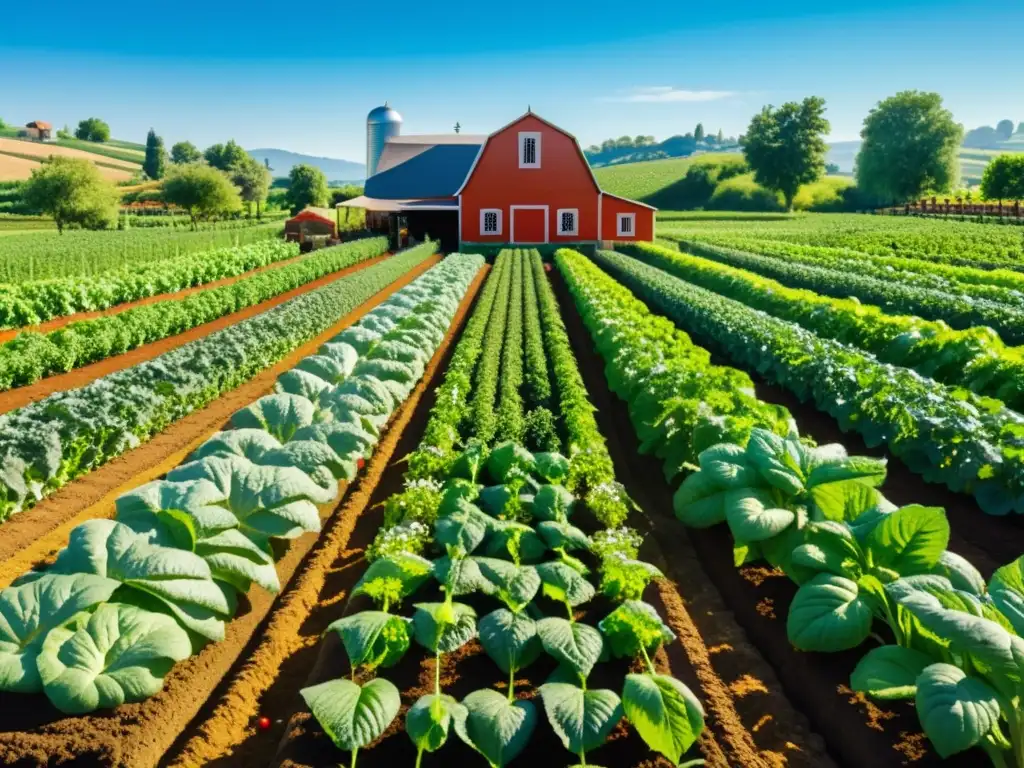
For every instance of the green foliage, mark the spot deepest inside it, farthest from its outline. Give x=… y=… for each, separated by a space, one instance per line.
x=72 y=192
x=634 y=629
x=253 y=181
x=910 y=145
x=201 y=191
x=185 y=152
x=497 y=728
x=743 y=193
x=353 y=716
x=1004 y=178
x=225 y=157
x=92 y=129
x=373 y=639
x=156 y=158
x=509 y=423
x=665 y=713
x=307 y=186
x=786 y=146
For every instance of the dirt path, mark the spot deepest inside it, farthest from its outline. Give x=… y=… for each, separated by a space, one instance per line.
x=60 y=322
x=18 y=398
x=276 y=663
x=36 y=534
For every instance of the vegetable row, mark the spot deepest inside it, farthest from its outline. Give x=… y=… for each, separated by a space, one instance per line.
x=32 y=356
x=975 y=358
x=28 y=303
x=817 y=514
x=128 y=597
x=969 y=443
x=45 y=445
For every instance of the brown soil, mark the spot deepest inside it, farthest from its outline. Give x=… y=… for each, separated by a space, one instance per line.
x=18 y=398
x=224 y=732
x=138 y=735
x=36 y=534
x=60 y=322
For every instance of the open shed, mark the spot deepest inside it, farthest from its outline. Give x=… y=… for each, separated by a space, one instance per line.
x=312 y=224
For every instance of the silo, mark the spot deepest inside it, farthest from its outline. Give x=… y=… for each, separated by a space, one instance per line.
x=381 y=124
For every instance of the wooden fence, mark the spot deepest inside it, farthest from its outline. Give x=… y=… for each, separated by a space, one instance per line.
x=958 y=207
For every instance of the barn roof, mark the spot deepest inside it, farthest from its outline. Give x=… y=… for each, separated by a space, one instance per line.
x=437 y=172
x=40 y=125
x=311 y=212
x=439 y=138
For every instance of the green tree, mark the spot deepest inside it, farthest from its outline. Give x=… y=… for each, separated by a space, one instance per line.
x=185 y=152
x=1004 y=178
x=1004 y=129
x=786 y=146
x=225 y=156
x=156 y=159
x=72 y=191
x=910 y=146
x=92 y=129
x=307 y=185
x=201 y=191
x=1020 y=128
x=720 y=137
x=64 y=133
x=698 y=132
x=253 y=182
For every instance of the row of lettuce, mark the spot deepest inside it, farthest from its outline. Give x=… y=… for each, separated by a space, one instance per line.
x=47 y=444
x=32 y=355
x=491 y=525
x=815 y=512
x=32 y=302
x=969 y=443
x=130 y=596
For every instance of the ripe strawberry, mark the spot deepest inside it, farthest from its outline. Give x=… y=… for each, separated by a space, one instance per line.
x=360 y=463
x=264 y=723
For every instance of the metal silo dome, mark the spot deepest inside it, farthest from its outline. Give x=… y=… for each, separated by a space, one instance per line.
x=381 y=124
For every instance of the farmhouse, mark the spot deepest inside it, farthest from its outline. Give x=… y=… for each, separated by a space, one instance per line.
x=527 y=183
x=38 y=130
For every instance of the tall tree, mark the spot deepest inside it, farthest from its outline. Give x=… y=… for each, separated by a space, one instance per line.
x=225 y=156
x=786 y=147
x=156 y=159
x=910 y=146
x=92 y=129
x=720 y=136
x=72 y=191
x=1020 y=128
x=1004 y=129
x=185 y=152
x=307 y=185
x=200 y=190
x=253 y=182
x=698 y=132
x=1004 y=178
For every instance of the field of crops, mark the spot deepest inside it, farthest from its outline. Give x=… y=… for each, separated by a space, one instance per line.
x=748 y=496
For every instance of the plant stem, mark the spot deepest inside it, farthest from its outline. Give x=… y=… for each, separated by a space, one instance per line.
x=437 y=674
x=354 y=753
x=572 y=618
x=512 y=684
x=647 y=658
x=583 y=758
x=419 y=757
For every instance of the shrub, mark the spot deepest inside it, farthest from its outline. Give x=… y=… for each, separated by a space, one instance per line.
x=826 y=195
x=742 y=193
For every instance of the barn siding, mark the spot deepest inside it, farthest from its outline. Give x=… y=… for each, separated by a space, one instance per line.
x=611 y=206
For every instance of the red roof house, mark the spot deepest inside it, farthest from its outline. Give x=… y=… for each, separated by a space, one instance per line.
x=528 y=183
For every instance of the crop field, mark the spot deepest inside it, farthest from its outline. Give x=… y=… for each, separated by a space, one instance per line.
x=748 y=496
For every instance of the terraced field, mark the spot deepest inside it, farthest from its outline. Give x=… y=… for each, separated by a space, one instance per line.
x=750 y=496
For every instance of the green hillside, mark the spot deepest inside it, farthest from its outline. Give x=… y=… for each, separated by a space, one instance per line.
x=644 y=181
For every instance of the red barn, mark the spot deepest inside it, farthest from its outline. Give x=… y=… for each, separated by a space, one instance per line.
x=528 y=183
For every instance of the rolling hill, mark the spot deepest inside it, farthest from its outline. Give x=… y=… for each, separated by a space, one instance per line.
x=281 y=162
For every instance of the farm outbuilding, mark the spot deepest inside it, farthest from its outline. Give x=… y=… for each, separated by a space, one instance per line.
x=38 y=130
x=312 y=225
x=528 y=183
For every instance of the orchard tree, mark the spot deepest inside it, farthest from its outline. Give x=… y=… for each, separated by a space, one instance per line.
x=698 y=133
x=253 y=181
x=185 y=152
x=1004 y=178
x=307 y=185
x=1004 y=129
x=201 y=191
x=786 y=147
x=156 y=159
x=910 y=146
x=72 y=191
x=225 y=156
x=92 y=129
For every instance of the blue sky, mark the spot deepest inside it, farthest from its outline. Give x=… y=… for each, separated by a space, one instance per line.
x=304 y=80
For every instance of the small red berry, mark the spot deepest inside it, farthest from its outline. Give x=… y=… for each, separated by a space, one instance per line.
x=360 y=463
x=264 y=723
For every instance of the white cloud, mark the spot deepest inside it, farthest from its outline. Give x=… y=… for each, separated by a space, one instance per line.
x=667 y=93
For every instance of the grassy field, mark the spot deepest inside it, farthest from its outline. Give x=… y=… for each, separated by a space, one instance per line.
x=117 y=160
x=640 y=181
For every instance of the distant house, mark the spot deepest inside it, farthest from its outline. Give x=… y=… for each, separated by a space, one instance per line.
x=37 y=130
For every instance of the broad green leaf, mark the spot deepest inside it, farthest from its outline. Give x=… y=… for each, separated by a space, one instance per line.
x=565 y=584
x=956 y=711
x=552 y=467
x=465 y=528
x=461 y=576
x=665 y=713
x=495 y=727
x=470 y=462
x=352 y=715
x=753 y=516
x=577 y=645
x=558 y=535
x=889 y=672
x=115 y=655
x=430 y=718
x=700 y=502
x=374 y=638
x=961 y=573
x=581 y=719
x=910 y=540
x=632 y=626
x=249 y=443
x=408 y=568
x=553 y=502
x=1007 y=591
x=507 y=459
x=828 y=614
x=302 y=383
x=508 y=537
x=514 y=585
x=280 y=415
x=831 y=548
x=843 y=490
x=444 y=627
x=30 y=611
x=510 y=639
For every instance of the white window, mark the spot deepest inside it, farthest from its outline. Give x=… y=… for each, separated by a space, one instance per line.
x=529 y=149
x=625 y=225
x=568 y=221
x=490 y=221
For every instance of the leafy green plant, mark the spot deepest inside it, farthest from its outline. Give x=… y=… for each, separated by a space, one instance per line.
x=353 y=715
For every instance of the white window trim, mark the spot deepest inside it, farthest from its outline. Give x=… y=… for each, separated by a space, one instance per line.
x=619 y=218
x=483 y=232
x=575 y=221
x=523 y=135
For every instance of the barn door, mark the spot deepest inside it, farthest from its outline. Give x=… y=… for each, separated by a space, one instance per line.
x=529 y=224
